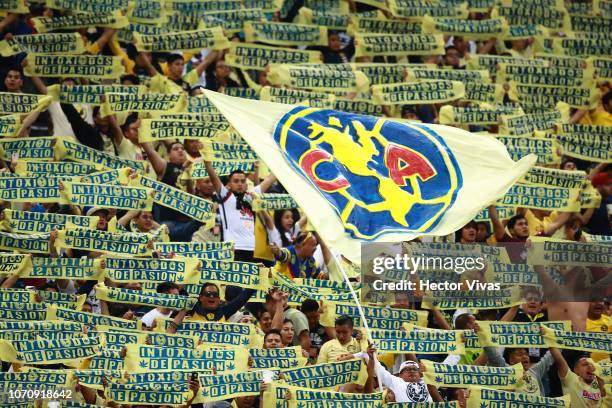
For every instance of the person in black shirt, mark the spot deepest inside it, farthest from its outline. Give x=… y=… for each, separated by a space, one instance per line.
x=334 y=53
x=167 y=170
x=209 y=307
x=180 y=226
x=318 y=333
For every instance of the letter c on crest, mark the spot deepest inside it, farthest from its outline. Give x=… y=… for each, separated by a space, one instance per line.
x=309 y=163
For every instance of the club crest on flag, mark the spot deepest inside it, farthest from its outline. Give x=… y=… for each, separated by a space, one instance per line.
x=379 y=175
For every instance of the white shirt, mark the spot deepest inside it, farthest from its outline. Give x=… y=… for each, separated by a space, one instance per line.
x=238 y=226
x=151 y=315
x=472 y=47
x=274 y=236
x=403 y=391
x=96 y=307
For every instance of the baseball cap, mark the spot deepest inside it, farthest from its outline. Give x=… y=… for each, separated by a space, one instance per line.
x=408 y=364
x=458 y=313
x=600 y=179
x=92 y=210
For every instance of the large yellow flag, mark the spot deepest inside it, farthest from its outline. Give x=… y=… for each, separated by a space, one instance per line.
x=364 y=178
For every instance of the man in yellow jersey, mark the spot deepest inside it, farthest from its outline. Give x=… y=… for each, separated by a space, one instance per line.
x=174 y=80
x=598 y=322
x=343 y=346
x=578 y=379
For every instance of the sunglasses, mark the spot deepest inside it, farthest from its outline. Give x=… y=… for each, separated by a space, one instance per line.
x=212 y=295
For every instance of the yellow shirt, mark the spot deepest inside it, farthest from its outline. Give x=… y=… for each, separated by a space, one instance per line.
x=192 y=77
x=537 y=225
x=331 y=350
x=118 y=51
x=93 y=48
x=162 y=84
x=607 y=401
x=582 y=395
x=601 y=325
x=529 y=385
x=262 y=246
x=526 y=53
x=598 y=117
x=128 y=150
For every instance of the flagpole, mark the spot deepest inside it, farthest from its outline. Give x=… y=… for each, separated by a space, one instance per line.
x=360 y=309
